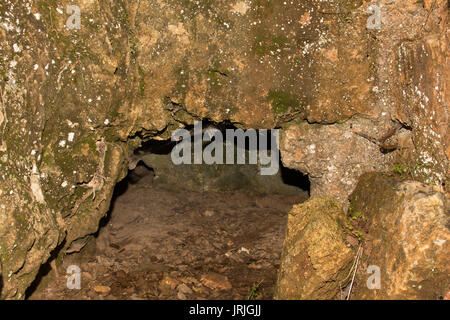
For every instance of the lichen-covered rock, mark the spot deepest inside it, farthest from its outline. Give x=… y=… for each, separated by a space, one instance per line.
x=412 y=72
x=58 y=99
x=405 y=72
x=315 y=258
x=75 y=101
x=409 y=238
x=334 y=156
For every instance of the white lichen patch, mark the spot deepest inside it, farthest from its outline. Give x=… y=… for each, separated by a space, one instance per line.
x=439 y=242
x=312 y=148
x=35 y=185
x=240 y=8
x=16 y=48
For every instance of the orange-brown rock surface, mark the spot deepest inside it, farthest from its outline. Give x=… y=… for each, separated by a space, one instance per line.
x=76 y=100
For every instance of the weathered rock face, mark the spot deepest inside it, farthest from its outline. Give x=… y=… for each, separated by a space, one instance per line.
x=334 y=156
x=405 y=72
x=315 y=258
x=408 y=238
x=76 y=102
x=413 y=72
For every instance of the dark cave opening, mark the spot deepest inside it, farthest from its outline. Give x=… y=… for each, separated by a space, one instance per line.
x=295 y=178
x=192 y=231
x=289 y=176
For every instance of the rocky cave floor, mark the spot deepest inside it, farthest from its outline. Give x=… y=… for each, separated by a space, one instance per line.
x=164 y=242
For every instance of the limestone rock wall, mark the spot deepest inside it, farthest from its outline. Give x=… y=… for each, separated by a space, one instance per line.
x=316 y=260
x=75 y=101
x=403 y=67
x=408 y=238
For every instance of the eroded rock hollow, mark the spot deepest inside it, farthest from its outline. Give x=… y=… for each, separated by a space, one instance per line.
x=352 y=88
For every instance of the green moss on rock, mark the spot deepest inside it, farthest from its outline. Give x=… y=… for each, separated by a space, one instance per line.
x=283 y=101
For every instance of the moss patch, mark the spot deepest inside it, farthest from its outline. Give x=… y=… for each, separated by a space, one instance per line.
x=266 y=43
x=282 y=101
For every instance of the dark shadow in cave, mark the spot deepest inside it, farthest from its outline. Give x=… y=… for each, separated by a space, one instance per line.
x=120 y=188
x=156 y=147
x=44 y=270
x=295 y=178
x=291 y=177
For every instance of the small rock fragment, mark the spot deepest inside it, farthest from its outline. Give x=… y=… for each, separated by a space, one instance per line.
x=102 y=289
x=216 y=281
x=184 y=289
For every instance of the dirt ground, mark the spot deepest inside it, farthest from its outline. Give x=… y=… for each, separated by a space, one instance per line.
x=164 y=242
